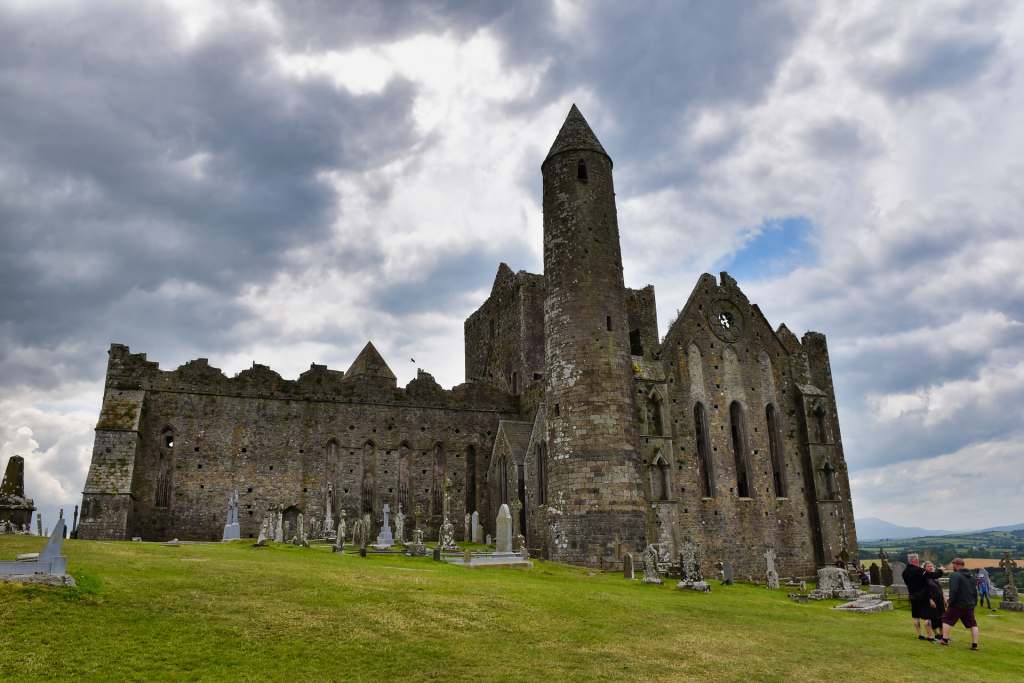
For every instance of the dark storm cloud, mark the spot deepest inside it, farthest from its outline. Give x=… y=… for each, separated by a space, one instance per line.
x=934 y=64
x=129 y=162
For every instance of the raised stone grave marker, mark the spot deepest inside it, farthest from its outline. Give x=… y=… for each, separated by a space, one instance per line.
x=400 y=526
x=689 y=569
x=503 y=527
x=1010 y=600
x=651 y=573
x=771 y=574
x=384 y=538
x=627 y=567
x=478 y=530
x=897 y=573
x=874 y=575
x=232 y=530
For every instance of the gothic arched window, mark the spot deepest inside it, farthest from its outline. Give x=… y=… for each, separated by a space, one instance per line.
x=700 y=426
x=775 y=449
x=542 y=473
x=659 y=479
x=739 y=450
x=581 y=170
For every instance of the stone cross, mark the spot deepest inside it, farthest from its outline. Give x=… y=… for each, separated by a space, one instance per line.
x=465 y=529
x=329 y=515
x=400 y=525
x=384 y=538
x=1009 y=566
x=517 y=506
x=342 y=528
x=503 y=544
x=769 y=556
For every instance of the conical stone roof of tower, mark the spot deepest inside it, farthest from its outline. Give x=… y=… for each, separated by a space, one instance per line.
x=370 y=363
x=575 y=135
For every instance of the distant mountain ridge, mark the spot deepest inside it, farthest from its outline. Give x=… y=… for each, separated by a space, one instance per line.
x=873 y=529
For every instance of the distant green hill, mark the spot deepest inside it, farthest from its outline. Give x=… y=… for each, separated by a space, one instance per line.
x=942 y=549
x=214 y=611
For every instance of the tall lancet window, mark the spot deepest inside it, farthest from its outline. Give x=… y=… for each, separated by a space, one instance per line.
x=775 y=449
x=707 y=473
x=739 y=450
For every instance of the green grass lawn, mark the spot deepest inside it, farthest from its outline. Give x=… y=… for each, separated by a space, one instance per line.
x=143 y=611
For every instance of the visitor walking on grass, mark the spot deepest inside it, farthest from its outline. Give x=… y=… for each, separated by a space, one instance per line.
x=936 y=600
x=983 y=588
x=963 y=595
x=916 y=579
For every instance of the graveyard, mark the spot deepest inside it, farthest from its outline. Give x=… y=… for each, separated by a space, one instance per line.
x=210 y=611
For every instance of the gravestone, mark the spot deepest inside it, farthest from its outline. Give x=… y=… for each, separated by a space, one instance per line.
x=384 y=538
x=279 y=526
x=834 y=582
x=466 y=531
x=689 y=568
x=232 y=531
x=897 y=573
x=651 y=573
x=875 y=575
x=478 y=530
x=446 y=534
x=417 y=548
x=342 y=529
x=300 y=536
x=771 y=574
x=261 y=541
x=400 y=526
x=504 y=530
x=1011 y=599
x=488 y=539
x=627 y=567
x=886 y=573
x=727 y=578
x=328 y=523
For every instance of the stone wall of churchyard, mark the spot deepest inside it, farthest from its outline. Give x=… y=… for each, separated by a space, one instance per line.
x=744 y=362
x=504 y=338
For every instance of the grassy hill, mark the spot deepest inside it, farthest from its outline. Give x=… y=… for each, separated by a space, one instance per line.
x=228 y=611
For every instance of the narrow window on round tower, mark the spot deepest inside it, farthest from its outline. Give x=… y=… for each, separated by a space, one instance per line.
x=581 y=170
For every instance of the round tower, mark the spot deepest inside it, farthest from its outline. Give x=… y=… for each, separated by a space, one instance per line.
x=594 y=483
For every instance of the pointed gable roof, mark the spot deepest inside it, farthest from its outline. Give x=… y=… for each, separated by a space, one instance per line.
x=575 y=135
x=370 y=363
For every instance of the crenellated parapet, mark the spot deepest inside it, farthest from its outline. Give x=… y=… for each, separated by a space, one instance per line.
x=368 y=381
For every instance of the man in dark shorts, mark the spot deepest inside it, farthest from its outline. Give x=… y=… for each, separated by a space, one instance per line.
x=963 y=595
x=916 y=579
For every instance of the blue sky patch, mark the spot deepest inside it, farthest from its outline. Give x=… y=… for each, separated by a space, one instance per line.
x=775 y=247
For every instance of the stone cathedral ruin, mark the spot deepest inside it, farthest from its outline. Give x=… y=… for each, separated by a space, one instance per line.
x=601 y=438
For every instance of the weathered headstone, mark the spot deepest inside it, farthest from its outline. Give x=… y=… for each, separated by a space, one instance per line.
x=300 y=536
x=478 y=530
x=515 y=509
x=400 y=526
x=466 y=532
x=886 y=573
x=518 y=543
x=1011 y=599
x=627 y=567
x=875 y=575
x=261 y=541
x=651 y=573
x=279 y=526
x=342 y=529
x=417 y=548
x=727 y=578
x=327 y=528
x=384 y=538
x=834 y=582
x=503 y=524
x=689 y=569
x=489 y=539
x=897 y=573
x=15 y=509
x=771 y=575
x=232 y=530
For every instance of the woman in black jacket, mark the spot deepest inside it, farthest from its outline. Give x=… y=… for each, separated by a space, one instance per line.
x=936 y=600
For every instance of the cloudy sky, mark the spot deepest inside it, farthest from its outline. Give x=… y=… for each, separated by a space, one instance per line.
x=279 y=182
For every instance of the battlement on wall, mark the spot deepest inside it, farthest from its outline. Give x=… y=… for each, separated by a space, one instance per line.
x=368 y=381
